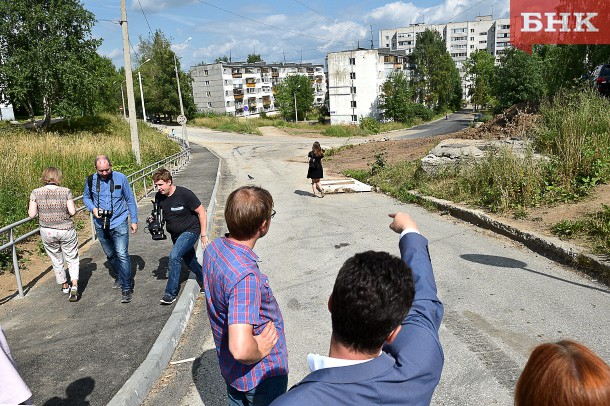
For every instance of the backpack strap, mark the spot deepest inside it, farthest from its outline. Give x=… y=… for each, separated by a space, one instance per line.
x=90 y=184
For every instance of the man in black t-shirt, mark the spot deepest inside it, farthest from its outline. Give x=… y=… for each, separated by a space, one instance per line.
x=186 y=222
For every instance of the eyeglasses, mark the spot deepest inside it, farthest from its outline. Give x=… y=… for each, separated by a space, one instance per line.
x=272 y=213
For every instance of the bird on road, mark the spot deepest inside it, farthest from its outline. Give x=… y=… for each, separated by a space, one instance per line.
x=250 y=177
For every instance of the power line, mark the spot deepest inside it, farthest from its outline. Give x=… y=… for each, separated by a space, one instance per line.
x=317 y=12
x=271 y=26
x=146 y=19
x=468 y=9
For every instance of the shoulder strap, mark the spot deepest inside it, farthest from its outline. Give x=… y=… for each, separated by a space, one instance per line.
x=90 y=184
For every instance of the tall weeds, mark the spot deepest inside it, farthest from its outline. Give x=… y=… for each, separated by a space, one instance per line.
x=575 y=132
x=72 y=147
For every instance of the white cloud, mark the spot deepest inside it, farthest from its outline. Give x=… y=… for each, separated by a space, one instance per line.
x=153 y=6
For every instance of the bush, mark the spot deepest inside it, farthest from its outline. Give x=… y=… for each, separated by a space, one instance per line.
x=423 y=112
x=370 y=125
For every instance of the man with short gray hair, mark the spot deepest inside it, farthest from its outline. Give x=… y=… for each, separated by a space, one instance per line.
x=109 y=197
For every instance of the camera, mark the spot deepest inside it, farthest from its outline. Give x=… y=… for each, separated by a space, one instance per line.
x=156 y=222
x=105 y=216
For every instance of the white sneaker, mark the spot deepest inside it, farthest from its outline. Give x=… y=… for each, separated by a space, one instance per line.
x=73 y=294
x=66 y=290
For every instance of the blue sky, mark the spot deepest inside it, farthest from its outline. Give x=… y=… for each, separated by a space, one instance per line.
x=290 y=30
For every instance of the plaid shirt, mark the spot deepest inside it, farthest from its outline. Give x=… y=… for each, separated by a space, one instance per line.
x=238 y=293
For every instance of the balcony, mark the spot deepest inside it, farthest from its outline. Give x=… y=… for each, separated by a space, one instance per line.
x=238 y=91
x=236 y=75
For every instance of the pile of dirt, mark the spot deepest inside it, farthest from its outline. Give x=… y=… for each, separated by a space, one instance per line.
x=515 y=122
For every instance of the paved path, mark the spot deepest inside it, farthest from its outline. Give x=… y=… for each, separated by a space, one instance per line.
x=85 y=351
x=500 y=298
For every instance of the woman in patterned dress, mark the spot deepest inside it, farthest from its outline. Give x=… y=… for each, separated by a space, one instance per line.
x=54 y=206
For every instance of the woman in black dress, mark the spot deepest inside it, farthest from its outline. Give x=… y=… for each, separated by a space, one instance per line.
x=315 y=171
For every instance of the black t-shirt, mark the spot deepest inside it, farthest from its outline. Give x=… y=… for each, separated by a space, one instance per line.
x=179 y=211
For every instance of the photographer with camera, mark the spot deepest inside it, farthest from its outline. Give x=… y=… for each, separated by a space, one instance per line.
x=109 y=197
x=186 y=222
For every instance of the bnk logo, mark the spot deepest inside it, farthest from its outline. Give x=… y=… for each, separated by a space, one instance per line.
x=559 y=22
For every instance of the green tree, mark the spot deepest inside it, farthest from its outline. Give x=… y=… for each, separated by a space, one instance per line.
x=223 y=58
x=159 y=79
x=294 y=87
x=434 y=77
x=46 y=49
x=479 y=69
x=564 y=65
x=518 y=78
x=254 y=58
x=396 y=98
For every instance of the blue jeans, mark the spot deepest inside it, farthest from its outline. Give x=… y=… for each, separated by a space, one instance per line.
x=115 y=243
x=183 y=249
x=266 y=392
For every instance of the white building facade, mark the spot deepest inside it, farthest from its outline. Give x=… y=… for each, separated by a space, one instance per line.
x=244 y=89
x=355 y=79
x=462 y=39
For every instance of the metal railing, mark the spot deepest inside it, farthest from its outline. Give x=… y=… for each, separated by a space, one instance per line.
x=139 y=178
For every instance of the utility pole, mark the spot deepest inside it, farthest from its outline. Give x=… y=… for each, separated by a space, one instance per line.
x=372 y=45
x=141 y=90
x=184 y=133
x=131 y=100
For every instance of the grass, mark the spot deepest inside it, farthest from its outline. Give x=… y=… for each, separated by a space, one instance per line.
x=71 y=146
x=243 y=125
x=595 y=227
x=574 y=136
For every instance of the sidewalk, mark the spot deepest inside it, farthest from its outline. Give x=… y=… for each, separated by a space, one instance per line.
x=66 y=351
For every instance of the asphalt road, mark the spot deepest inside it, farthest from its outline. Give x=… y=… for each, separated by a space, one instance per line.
x=500 y=298
x=454 y=122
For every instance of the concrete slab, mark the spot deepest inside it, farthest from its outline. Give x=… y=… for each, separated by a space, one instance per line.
x=343 y=185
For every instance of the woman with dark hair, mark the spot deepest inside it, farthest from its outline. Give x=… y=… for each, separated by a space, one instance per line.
x=315 y=171
x=565 y=373
x=55 y=207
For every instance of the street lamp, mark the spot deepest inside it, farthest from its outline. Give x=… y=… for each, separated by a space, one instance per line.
x=122 y=98
x=141 y=91
x=184 y=135
x=296 y=116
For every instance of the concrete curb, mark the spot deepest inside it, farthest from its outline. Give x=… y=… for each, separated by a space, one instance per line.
x=137 y=387
x=549 y=247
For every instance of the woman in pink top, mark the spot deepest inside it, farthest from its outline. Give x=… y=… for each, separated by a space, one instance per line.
x=54 y=206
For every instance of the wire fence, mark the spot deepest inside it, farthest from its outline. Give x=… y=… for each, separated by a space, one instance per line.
x=140 y=182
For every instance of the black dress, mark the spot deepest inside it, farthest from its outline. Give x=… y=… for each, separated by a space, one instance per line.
x=315 y=172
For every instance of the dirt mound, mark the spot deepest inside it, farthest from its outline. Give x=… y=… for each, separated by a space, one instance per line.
x=515 y=122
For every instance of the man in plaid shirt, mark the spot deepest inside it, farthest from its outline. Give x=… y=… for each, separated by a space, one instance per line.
x=246 y=320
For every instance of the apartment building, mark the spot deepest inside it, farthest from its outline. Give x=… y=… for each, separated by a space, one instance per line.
x=462 y=39
x=243 y=89
x=355 y=79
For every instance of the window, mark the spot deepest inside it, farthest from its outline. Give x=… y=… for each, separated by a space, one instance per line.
x=228 y=104
x=505 y=27
x=484 y=41
x=226 y=92
x=226 y=82
x=352 y=75
x=210 y=104
x=472 y=38
x=482 y=33
x=472 y=47
x=208 y=94
x=353 y=89
x=207 y=83
x=354 y=118
x=472 y=30
x=352 y=61
x=353 y=103
x=458 y=30
x=205 y=72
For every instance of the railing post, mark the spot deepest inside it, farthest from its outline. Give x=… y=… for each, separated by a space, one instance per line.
x=16 y=264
